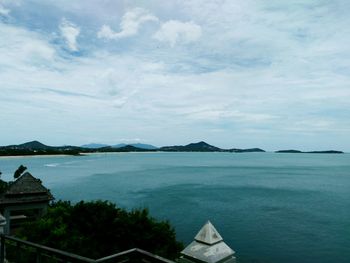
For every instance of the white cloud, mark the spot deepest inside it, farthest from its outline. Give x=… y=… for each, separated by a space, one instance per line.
x=265 y=69
x=23 y=49
x=70 y=32
x=130 y=24
x=174 y=31
x=217 y=113
x=106 y=32
x=4 y=11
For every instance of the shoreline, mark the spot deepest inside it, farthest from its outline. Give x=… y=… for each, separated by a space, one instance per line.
x=149 y=152
x=38 y=155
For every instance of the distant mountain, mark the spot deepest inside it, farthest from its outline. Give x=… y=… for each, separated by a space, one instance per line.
x=37 y=148
x=144 y=146
x=192 y=147
x=126 y=148
x=119 y=145
x=204 y=147
x=137 y=145
x=94 y=145
x=297 y=151
x=33 y=145
x=132 y=148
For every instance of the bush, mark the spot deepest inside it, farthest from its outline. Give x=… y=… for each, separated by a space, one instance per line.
x=97 y=229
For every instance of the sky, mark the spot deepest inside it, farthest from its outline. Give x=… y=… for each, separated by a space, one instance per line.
x=236 y=74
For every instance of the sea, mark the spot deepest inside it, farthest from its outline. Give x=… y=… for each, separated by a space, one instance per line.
x=268 y=207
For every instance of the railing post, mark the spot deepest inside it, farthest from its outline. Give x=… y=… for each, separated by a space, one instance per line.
x=38 y=256
x=2 y=224
x=5 y=221
x=19 y=253
x=2 y=249
x=2 y=232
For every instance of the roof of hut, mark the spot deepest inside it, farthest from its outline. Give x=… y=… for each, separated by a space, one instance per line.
x=26 y=189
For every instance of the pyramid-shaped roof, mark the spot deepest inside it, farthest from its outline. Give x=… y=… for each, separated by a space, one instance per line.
x=208 y=247
x=208 y=234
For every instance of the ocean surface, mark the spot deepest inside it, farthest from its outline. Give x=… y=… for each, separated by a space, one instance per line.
x=278 y=208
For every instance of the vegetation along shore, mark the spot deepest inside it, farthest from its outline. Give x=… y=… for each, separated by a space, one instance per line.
x=38 y=148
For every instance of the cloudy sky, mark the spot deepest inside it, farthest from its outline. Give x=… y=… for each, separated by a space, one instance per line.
x=271 y=74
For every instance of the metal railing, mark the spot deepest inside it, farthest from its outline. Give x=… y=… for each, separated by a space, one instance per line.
x=12 y=250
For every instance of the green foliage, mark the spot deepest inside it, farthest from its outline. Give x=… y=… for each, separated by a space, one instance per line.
x=3 y=186
x=20 y=170
x=97 y=229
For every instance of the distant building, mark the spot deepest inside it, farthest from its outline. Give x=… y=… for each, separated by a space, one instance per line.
x=25 y=199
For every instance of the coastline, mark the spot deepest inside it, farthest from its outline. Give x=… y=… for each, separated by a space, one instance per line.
x=149 y=152
x=38 y=155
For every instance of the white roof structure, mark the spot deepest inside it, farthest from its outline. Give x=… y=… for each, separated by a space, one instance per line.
x=208 y=234
x=208 y=247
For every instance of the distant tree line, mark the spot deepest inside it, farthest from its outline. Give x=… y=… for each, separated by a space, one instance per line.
x=4 y=151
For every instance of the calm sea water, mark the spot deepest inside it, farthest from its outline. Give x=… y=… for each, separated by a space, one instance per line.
x=288 y=208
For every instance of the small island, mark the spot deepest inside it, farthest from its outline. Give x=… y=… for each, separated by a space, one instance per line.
x=297 y=151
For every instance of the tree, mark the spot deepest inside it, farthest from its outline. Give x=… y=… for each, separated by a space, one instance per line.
x=97 y=229
x=20 y=170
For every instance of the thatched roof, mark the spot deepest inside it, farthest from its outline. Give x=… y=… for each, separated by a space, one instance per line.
x=26 y=189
